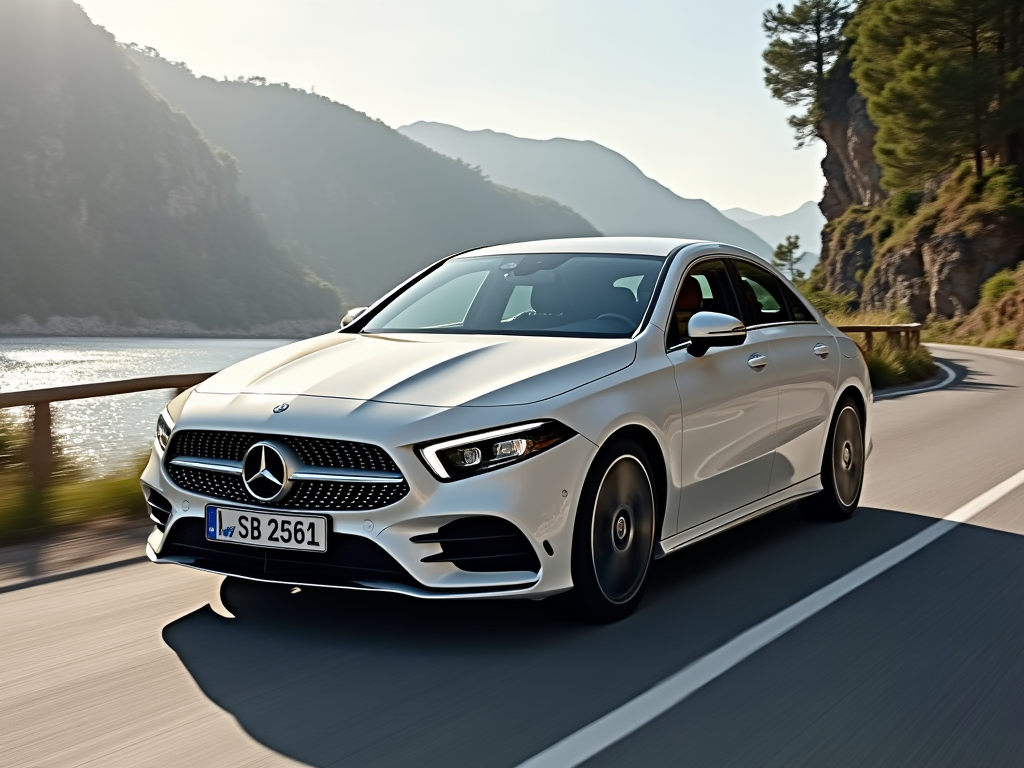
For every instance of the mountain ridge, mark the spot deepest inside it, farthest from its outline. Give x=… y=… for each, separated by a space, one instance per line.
x=112 y=205
x=353 y=199
x=602 y=185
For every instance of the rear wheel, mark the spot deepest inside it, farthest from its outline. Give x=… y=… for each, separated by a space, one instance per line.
x=614 y=535
x=842 y=467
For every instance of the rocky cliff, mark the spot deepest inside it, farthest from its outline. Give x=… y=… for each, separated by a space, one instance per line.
x=926 y=254
x=851 y=173
x=112 y=205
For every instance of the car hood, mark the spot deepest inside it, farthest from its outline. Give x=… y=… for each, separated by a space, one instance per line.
x=442 y=370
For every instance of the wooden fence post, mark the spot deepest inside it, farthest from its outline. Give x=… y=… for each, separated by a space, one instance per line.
x=41 y=451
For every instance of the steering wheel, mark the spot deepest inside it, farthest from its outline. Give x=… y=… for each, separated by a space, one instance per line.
x=617 y=316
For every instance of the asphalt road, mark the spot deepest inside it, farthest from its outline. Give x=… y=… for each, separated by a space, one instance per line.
x=924 y=665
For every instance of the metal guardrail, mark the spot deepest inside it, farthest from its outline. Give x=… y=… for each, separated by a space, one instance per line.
x=903 y=335
x=41 y=448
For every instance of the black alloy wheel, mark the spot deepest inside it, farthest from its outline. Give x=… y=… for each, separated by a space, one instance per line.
x=613 y=539
x=842 y=467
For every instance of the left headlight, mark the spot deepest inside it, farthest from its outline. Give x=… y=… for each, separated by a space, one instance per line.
x=480 y=452
x=163 y=432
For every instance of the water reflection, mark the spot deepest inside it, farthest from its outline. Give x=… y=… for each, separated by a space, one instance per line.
x=110 y=432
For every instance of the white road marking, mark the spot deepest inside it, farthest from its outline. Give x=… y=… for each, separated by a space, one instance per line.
x=616 y=725
x=950 y=375
x=998 y=354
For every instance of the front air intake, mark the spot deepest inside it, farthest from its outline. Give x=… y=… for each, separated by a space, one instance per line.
x=481 y=545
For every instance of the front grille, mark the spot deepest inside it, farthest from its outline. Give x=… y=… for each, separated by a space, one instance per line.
x=348 y=559
x=305 y=494
x=481 y=545
x=315 y=452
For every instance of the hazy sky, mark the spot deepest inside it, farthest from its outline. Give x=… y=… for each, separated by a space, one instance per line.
x=674 y=85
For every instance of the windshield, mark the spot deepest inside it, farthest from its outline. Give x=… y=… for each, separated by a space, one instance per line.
x=547 y=294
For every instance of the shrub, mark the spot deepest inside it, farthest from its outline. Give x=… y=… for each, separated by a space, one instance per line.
x=1005 y=338
x=997 y=286
x=891 y=366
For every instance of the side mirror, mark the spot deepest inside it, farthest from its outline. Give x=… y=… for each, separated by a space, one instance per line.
x=352 y=315
x=714 y=329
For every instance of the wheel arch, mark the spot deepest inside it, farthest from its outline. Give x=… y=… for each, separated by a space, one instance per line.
x=857 y=396
x=656 y=457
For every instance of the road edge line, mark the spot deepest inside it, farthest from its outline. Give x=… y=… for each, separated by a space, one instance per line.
x=634 y=714
x=950 y=376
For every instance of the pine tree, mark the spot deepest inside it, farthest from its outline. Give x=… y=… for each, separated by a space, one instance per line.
x=804 y=44
x=787 y=256
x=941 y=83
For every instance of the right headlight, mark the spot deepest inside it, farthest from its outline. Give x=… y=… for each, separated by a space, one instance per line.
x=480 y=452
x=163 y=431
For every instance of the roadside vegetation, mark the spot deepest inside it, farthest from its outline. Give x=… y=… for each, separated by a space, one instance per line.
x=997 y=321
x=75 y=496
x=889 y=365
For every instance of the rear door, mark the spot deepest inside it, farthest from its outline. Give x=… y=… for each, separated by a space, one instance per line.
x=729 y=404
x=806 y=358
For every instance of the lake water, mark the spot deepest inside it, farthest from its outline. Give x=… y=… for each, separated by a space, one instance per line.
x=108 y=433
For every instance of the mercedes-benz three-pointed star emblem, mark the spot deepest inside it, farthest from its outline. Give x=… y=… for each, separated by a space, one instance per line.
x=265 y=472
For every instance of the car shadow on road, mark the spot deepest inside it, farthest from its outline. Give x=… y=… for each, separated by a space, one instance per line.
x=338 y=678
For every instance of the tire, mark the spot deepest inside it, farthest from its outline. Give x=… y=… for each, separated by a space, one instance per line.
x=613 y=539
x=842 y=466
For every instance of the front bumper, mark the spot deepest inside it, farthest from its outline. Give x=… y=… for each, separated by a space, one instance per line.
x=384 y=549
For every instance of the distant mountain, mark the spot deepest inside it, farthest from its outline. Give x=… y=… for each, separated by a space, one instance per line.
x=112 y=206
x=358 y=202
x=600 y=184
x=806 y=221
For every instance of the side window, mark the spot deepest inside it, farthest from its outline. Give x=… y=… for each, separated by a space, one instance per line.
x=706 y=288
x=760 y=294
x=797 y=309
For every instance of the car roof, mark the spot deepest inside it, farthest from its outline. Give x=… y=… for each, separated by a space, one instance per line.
x=640 y=246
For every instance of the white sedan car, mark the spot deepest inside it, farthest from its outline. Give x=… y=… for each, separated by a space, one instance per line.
x=518 y=421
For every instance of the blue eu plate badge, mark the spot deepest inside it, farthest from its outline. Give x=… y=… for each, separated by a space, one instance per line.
x=211 y=522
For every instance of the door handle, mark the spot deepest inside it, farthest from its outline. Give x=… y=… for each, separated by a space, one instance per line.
x=757 y=361
x=821 y=350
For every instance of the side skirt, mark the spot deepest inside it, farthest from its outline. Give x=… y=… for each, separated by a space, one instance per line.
x=683 y=539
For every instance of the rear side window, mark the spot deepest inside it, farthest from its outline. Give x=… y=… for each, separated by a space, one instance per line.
x=761 y=295
x=797 y=309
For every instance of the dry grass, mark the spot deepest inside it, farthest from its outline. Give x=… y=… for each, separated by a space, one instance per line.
x=73 y=497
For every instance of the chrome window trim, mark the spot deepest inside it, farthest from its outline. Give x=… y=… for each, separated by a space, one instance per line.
x=786 y=322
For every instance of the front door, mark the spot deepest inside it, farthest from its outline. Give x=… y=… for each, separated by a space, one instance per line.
x=729 y=403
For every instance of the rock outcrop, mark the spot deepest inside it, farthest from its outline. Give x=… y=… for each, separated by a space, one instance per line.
x=940 y=274
x=113 y=204
x=852 y=177
x=935 y=267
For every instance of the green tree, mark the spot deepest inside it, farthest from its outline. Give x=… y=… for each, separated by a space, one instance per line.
x=787 y=256
x=944 y=80
x=804 y=44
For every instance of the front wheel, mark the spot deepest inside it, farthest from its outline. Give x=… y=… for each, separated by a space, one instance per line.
x=842 y=467
x=614 y=535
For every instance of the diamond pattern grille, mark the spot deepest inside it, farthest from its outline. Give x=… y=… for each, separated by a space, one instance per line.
x=305 y=494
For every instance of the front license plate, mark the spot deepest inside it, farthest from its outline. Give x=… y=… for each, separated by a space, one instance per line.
x=266 y=529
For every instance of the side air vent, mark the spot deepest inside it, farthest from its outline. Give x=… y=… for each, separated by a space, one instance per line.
x=481 y=545
x=159 y=508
